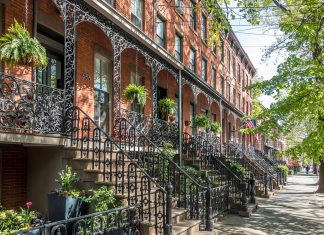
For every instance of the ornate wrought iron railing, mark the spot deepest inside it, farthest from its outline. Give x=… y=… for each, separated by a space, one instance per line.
x=157 y=130
x=30 y=107
x=137 y=168
x=124 y=220
x=189 y=193
x=263 y=180
x=197 y=148
x=120 y=169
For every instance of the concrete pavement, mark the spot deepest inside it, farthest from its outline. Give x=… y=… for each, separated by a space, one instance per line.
x=294 y=210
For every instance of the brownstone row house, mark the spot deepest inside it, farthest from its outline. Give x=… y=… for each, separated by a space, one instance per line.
x=95 y=49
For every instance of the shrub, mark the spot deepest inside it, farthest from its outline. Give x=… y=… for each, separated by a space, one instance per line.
x=134 y=92
x=12 y=221
x=238 y=169
x=284 y=168
x=18 y=47
x=104 y=199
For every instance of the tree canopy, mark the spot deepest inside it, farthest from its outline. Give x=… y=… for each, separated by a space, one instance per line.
x=298 y=86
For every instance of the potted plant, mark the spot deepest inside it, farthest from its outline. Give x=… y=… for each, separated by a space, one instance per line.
x=17 y=47
x=187 y=123
x=202 y=121
x=167 y=108
x=135 y=93
x=215 y=127
x=66 y=202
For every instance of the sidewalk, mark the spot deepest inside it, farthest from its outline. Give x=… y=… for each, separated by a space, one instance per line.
x=294 y=210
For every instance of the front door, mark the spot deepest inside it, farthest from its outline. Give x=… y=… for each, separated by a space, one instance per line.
x=101 y=92
x=161 y=94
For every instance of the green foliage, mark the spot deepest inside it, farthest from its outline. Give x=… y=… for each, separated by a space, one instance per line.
x=284 y=168
x=215 y=127
x=195 y=174
x=238 y=170
x=298 y=86
x=103 y=199
x=167 y=106
x=67 y=180
x=202 y=121
x=135 y=92
x=18 y=47
x=12 y=221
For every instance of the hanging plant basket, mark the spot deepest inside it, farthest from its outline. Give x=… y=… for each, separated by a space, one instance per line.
x=167 y=108
x=215 y=127
x=202 y=121
x=135 y=93
x=17 y=47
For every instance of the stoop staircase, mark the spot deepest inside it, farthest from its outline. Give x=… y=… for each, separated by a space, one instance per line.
x=170 y=200
x=204 y=154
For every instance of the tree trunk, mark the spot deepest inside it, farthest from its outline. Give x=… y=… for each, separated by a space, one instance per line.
x=321 y=178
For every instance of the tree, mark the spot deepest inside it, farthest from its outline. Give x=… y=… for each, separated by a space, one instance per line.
x=298 y=86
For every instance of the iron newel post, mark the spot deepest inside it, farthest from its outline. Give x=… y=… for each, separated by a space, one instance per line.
x=209 y=221
x=168 y=224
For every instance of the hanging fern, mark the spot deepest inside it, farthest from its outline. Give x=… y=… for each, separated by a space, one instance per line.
x=18 y=48
x=134 y=92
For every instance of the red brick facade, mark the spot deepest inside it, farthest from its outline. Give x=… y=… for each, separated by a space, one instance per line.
x=13 y=176
x=91 y=40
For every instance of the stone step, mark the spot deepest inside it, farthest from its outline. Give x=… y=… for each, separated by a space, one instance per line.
x=186 y=227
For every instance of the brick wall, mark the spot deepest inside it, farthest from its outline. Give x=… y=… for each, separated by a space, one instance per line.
x=13 y=175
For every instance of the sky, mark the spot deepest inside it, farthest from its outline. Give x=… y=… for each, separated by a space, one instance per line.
x=255 y=40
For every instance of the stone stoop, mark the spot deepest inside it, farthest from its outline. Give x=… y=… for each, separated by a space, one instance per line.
x=93 y=178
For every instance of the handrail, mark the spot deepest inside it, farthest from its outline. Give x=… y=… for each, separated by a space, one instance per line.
x=215 y=158
x=119 y=148
x=157 y=130
x=163 y=155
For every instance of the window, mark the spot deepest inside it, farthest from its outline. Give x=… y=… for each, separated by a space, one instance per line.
x=213 y=79
x=221 y=49
x=247 y=108
x=193 y=59
x=160 y=32
x=178 y=47
x=137 y=13
x=101 y=89
x=222 y=85
x=204 y=69
x=214 y=117
x=228 y=92
x=239 y=73
x=243 y=105
x=239 y=101
x=234 y=97
x=228 y=60
x=234 y=66
x=192 y=118
x=204 y=27
x=204 y=112
x=193 y=23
